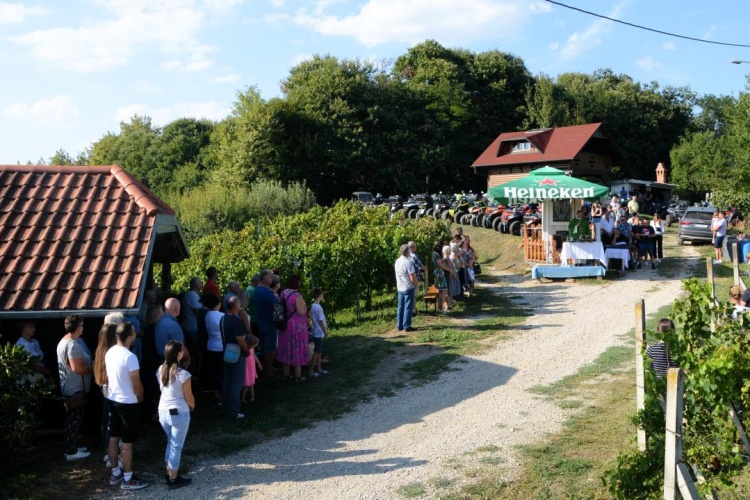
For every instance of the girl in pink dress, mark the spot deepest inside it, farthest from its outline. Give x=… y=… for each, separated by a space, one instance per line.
x=251 y=374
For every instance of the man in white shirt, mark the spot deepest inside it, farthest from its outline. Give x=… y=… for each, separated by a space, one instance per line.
x=606 y=225
x=406 y=284
x=125 y=394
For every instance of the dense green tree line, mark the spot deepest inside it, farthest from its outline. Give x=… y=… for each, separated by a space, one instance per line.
x=411 y=125
x=712 y=157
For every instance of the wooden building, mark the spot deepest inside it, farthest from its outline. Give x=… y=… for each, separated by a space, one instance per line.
x=584 y=151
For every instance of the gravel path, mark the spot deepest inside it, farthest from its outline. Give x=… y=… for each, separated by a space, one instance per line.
x=423 y=433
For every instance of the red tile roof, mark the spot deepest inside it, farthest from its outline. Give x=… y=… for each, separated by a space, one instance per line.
x=555 y=144
x=74 y=238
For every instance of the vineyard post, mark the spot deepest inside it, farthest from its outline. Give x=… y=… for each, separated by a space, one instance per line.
x=736 y=262
x=640 y=396
x=676 y=475
x=710 y=276
x=739 y=425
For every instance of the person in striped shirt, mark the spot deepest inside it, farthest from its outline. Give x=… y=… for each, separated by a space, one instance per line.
x=659 y=352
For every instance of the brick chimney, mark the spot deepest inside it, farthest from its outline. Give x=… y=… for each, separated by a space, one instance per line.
x=661 y=173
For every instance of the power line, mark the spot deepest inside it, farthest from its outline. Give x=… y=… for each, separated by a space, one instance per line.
x=648 y=29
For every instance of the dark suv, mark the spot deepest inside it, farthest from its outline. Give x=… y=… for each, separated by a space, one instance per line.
x=695 y=225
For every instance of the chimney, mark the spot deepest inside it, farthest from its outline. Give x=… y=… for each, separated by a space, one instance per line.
x=661 y=173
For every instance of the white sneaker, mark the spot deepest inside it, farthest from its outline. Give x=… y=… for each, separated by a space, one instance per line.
x=240 y=416
x=717 y=261
x=77 y=455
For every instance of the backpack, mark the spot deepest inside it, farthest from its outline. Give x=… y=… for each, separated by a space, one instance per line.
x=280 y=313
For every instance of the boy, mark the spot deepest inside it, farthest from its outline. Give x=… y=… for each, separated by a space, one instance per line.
x=319 y=330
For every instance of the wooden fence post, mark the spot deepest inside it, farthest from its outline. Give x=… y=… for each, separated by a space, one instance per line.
x=710 y=275
x=640 y=378
x=739 y=425
x=736 y=262
x=676 y=475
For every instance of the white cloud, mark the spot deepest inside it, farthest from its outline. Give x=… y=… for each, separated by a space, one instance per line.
x=58 y=111
x=222 y=5
x=669 y=46
x=169 y=25
x=710 y=33
x=164 y=115
x=648 y=64
x=14 y=13
x=199 y=65
x=300 y=58
x=382 y=21
x=170 y=65
x=579 y=43
x=230 y=78
x=540 y=7
x=276 y=3
x=553 y=45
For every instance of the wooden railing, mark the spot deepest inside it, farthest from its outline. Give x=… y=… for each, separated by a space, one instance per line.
x=534 y=246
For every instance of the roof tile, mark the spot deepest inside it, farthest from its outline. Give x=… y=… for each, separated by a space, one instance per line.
x=73 y=237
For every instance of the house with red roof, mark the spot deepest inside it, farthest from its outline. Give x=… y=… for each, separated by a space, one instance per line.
x=586 y=151
x=80 y=240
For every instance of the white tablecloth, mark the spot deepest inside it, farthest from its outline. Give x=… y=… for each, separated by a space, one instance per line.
x=583 y=251
x=618 y=253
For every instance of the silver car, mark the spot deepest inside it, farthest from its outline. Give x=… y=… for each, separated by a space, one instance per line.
x=695 y=225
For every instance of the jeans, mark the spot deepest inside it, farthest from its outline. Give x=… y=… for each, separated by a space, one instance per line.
x=404 y=310
x=231 y=387
x=176 y=428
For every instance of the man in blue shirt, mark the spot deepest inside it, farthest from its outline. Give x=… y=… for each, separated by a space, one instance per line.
x=167 y=328
x=264 y=299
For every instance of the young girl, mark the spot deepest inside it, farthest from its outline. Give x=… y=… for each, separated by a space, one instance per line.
x=251 y=373
x=175 y=405
x=658 y=351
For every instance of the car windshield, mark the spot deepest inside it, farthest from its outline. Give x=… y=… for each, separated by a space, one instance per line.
x=364 y=197
x=699 y=215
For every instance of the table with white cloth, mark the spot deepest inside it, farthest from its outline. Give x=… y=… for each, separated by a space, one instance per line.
x=618 y=252
x=578 y=250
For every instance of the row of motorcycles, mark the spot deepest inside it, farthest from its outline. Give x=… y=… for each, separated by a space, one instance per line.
x=468 y=209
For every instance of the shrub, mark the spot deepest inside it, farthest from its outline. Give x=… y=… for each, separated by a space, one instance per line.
x=213 y=208
x=20 y=392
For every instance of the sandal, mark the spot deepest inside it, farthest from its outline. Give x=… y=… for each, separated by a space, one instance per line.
x=301 y=379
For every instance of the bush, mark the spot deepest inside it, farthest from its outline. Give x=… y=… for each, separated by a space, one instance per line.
x=717 y=367
x=348 y=250
x=214 y=208
x=21 y=391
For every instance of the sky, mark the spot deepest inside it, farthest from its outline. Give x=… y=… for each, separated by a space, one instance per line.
x=71 y=71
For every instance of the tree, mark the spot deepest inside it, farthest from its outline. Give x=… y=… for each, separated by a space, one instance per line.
x=644 y=120
x=130 y=148
x=179 y=155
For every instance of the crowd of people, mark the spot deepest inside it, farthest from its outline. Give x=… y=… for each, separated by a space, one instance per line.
x=620 y=224
x=148 y=365
x=453 y=263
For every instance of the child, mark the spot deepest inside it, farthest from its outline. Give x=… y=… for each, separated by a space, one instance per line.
x=251 y=374
x=319 y=330
x=661 y=361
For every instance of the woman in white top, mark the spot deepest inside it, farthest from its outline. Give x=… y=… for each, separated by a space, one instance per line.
x=213 y=363
x=658 y=226
x=175 y=405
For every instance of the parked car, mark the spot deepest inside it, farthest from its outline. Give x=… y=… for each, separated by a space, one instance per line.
x=364 y=197
x=675 y=210
x=695 y=225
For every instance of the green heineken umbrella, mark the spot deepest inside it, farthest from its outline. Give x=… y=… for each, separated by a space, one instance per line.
x=546 y=183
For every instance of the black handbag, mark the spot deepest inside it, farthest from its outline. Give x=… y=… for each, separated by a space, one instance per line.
x=477 y=268
x=77 y=400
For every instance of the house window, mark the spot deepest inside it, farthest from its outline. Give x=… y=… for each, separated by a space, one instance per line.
x=523 y=147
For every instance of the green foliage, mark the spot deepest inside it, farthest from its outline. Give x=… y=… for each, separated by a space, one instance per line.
x=347 y=250
x=214 y=208
x=20 y=392
x=717 y=367
x=646 y=121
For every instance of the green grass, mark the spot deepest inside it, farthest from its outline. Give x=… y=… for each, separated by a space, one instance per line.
x=412 y=490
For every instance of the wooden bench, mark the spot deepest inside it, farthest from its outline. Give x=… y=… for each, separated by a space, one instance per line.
x=431 y=295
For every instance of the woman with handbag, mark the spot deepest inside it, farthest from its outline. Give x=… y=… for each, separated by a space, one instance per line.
x=75 y=368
